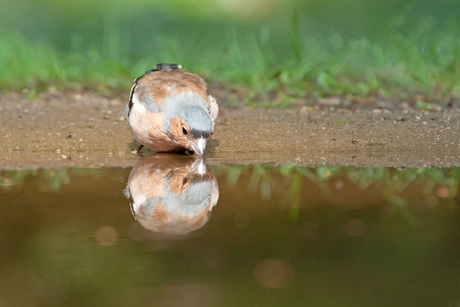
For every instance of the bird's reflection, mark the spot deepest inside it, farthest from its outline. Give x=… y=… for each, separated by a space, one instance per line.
x=172 y=194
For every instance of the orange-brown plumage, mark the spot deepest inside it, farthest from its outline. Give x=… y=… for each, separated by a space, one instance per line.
x=164 y=83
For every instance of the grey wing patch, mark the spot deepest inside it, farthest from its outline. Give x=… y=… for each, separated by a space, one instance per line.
x=140 y=94
x=143 y=96
x=213 y=106
x=150 y=204
x=213 y=109
x=145 y=210
x=134 y=88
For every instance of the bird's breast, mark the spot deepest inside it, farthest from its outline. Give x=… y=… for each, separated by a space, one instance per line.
x=148 y=128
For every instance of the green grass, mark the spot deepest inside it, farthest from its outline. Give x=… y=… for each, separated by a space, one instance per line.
x=281 y=57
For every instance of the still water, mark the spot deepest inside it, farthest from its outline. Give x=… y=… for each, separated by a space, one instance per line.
x=173 y=232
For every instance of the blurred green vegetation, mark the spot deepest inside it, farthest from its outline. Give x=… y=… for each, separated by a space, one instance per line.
x=293 y=48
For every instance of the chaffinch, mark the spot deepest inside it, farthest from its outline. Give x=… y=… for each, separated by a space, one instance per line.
x=171 y=110
x=170 y=194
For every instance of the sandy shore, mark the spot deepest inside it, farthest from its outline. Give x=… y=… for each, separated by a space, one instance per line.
x=79 y=129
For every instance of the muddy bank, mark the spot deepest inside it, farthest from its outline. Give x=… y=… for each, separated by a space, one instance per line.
x=78 y=129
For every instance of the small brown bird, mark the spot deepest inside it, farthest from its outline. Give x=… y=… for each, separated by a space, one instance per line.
x=171 y=110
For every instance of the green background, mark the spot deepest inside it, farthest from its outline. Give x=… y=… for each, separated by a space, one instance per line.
x=296 y=48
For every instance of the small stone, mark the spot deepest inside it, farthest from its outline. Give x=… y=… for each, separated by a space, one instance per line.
x=329 y=101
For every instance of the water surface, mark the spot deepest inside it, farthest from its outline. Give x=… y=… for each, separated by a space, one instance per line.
x=275 y=236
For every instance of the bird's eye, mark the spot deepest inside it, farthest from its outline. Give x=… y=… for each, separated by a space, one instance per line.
x=184 y=181
x=184 y=130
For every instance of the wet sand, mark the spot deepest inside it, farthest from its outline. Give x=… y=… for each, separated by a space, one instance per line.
x=80 y=129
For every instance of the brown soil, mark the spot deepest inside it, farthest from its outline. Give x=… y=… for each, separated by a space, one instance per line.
x=79 y=129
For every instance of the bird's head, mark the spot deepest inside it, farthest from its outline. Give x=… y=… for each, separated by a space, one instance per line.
x=192 y=129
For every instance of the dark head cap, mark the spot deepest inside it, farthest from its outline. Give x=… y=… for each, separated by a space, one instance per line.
x=162 y=66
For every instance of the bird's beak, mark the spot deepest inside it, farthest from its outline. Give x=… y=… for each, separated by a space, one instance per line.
x=198 y=146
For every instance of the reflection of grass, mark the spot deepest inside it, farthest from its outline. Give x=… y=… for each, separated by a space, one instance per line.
x=50 y=180
x=10 y=180
x=389 y=182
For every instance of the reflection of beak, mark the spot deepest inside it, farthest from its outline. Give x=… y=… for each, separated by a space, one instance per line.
x=199 y=167
x=198 y=146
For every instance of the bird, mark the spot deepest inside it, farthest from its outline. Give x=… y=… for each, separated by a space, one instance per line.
x=171 y=110
x=171 y=194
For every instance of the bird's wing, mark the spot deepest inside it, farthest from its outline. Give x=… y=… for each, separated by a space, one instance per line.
x=133 y=88
x=156 y=86
x=213 y=109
